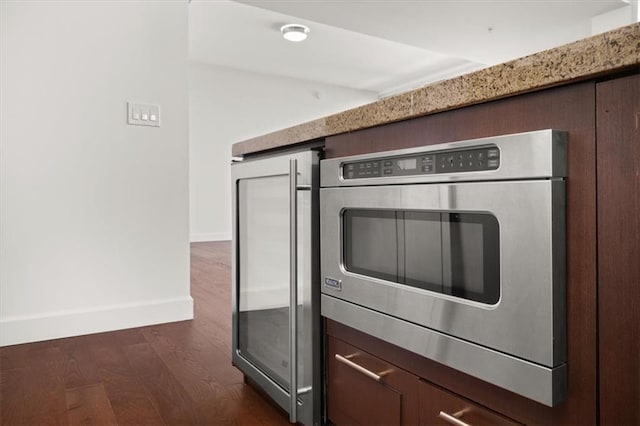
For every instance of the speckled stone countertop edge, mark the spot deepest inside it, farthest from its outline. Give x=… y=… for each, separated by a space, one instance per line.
x=603 y=53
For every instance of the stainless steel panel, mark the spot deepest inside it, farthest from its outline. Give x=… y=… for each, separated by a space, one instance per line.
x=539 y=154
x=559 y=269
x=276 y=166
x=528 y=320
x=307 y=309
x=307 y=304
x=293 y=290
x=542 y=384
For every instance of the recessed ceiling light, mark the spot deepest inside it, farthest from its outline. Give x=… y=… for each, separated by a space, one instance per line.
x=294 y=32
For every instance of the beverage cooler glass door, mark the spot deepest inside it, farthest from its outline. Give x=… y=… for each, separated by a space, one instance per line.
x=272 y=243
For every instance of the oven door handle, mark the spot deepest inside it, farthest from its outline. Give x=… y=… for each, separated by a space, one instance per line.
x=293 y=290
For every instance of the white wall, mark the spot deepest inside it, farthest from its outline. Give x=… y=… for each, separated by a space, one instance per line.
x=94 y=231
x=616 y=18
x=228 y=106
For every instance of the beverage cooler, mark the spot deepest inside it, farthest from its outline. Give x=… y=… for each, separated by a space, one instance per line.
x=275 y=294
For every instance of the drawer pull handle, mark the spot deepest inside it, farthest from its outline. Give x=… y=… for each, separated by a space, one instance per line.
x=454 y=419
x=346 y=360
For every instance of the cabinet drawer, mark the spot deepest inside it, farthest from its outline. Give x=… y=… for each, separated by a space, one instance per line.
x=440 y=407
x=355 y=396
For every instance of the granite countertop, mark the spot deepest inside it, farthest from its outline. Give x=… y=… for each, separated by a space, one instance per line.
x=601 y=54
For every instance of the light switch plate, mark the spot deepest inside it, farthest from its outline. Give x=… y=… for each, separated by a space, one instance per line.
x=143 y=114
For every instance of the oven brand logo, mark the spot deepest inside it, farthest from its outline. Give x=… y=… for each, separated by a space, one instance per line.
x=333 y=283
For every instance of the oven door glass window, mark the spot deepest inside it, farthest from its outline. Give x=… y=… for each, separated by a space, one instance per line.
x=447 y=252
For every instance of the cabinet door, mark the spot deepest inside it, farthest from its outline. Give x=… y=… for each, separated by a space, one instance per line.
x=439 y=407
x=618 y=142
x=355 y=397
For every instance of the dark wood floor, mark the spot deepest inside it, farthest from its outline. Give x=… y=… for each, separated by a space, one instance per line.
x=170 y=374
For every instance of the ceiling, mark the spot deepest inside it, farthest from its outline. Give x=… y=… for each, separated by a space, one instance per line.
x=383 y=46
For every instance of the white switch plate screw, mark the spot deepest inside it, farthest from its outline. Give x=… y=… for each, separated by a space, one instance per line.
x=143 y=114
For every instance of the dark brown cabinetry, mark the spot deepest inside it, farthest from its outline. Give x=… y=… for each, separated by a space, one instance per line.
x=618 y=136
x=365 y=390
x=602 y=119
x=570 y=108
x=398 y=397
x=440 y=407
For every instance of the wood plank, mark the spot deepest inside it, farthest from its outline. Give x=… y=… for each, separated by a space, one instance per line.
x=34 y=395
x=241 y=405
x=79 y=364
x=619 y=249
x=193 y=368
x=130 y=400
x=170 y=398
x=89 y=405
x=18 y=356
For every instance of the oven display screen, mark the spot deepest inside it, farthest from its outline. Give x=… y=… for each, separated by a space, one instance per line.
x=407 y=164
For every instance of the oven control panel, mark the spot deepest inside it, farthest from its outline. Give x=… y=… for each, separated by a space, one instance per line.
x=452 y=161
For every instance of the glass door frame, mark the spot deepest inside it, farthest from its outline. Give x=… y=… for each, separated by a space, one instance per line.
x=302 y=168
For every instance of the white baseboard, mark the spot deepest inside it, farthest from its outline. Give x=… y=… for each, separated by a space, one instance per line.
x=55 y=325
x=211 y=236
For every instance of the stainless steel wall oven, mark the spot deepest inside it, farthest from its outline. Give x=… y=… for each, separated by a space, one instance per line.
x=457 y=252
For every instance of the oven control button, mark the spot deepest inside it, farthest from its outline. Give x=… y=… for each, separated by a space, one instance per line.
x=427 y=168
x=388 y=171
x=493 y=153
x=387 y=163
x=492 y=163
